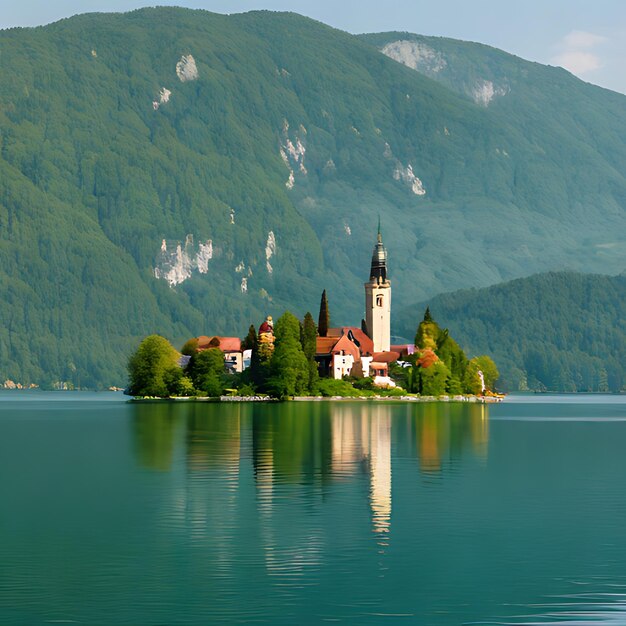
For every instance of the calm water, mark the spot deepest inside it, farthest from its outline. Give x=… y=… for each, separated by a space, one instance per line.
x=113 y=513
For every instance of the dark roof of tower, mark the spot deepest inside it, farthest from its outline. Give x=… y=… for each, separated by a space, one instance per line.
x=379 y=259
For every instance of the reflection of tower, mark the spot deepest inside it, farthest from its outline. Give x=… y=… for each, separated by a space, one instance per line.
x=378 y=299
x=380 y=470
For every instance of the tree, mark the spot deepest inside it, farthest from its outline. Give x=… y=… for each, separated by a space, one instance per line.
x=190 y=347
x=430 y=336
x=324 y=316
x=308 y=339
x=249 y=342
x=434 y=379
x=206 y=369
x=472 y=380
x=289 y=370
x=152 y=367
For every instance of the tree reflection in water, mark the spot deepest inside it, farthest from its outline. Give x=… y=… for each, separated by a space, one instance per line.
x=310 y=445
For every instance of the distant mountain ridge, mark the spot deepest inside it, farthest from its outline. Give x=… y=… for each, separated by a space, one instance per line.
x=183 y=172
x=560 y=331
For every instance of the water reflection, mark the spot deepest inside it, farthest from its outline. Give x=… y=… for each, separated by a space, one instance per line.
x=309 y=445
x=445 y=434
x=153 y=435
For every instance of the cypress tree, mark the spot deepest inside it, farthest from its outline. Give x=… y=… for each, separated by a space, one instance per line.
x=249 y=342
x=324 y=317
x=308 y=338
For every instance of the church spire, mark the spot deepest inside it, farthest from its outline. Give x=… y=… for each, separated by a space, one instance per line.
x=379 y=259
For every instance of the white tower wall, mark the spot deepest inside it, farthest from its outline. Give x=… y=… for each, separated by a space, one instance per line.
x=378 y=313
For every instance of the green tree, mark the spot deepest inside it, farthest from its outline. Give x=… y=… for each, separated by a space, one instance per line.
x=190 y=347
x=434 y=379
x=308 y=339
x=289 y=368
x=206 y=369
x=153 y=367
x=249 y=342
x=324 y=317
x=472 y=380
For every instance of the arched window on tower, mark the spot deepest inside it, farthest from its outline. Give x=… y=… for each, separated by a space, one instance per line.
x=379 y=300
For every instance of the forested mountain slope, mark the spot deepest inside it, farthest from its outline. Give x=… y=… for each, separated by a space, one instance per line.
x=560 y=331
x=183 y=172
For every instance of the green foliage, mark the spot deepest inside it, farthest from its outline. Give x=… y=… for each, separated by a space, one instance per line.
x=324 y=316
x=329 y=387
x=206 y=369
x=249 y=342
x=560 y=331
x=430 y=336
x=153 y=368
x=472 y=381
x=246 y=390
x=427 y=335
x=289 y=368
x=433 y=380
x=190 y=347
x=309 y=347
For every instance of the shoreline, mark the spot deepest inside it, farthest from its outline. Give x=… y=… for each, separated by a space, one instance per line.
x=267 y=399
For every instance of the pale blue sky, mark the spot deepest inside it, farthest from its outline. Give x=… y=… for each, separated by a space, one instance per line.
x=587 y=37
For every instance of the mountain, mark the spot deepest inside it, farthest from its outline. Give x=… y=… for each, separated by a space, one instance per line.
x=559 y=331
x=185 y=173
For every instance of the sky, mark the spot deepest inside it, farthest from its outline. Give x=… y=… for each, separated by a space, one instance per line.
x=587 y=37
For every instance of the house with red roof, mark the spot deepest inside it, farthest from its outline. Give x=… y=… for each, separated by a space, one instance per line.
x=234 y=356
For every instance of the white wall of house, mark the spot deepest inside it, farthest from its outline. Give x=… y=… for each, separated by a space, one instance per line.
x=365 y=362
x=234 y=361
x=342 y=365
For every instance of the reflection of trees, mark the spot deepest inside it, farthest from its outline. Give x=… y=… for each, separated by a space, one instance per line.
x=447 y=432
x=292 y=442
x=312 y=443
x=214 y=436
x=153 y=427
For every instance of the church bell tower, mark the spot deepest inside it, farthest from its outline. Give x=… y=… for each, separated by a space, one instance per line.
x=378 y=299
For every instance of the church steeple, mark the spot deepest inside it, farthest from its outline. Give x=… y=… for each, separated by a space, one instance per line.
x=378 y=298
x=379 y=259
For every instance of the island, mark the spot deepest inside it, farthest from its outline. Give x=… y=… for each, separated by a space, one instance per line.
x=295 y=358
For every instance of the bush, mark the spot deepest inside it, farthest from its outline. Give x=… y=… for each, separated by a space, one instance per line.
x=329 y=387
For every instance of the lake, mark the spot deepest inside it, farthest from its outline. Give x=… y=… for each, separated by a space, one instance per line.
x=303 y=513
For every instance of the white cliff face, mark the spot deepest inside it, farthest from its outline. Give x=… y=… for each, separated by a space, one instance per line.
x=186 y=69
x=164 y=98
x=205 y=254
x=484 y=91
x=405 y=174
x=270 y=250
x=176 y=262
x=173 y=266
x=416 y=55
x=292 y=152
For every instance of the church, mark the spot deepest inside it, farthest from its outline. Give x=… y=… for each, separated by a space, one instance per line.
x=365 y=351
